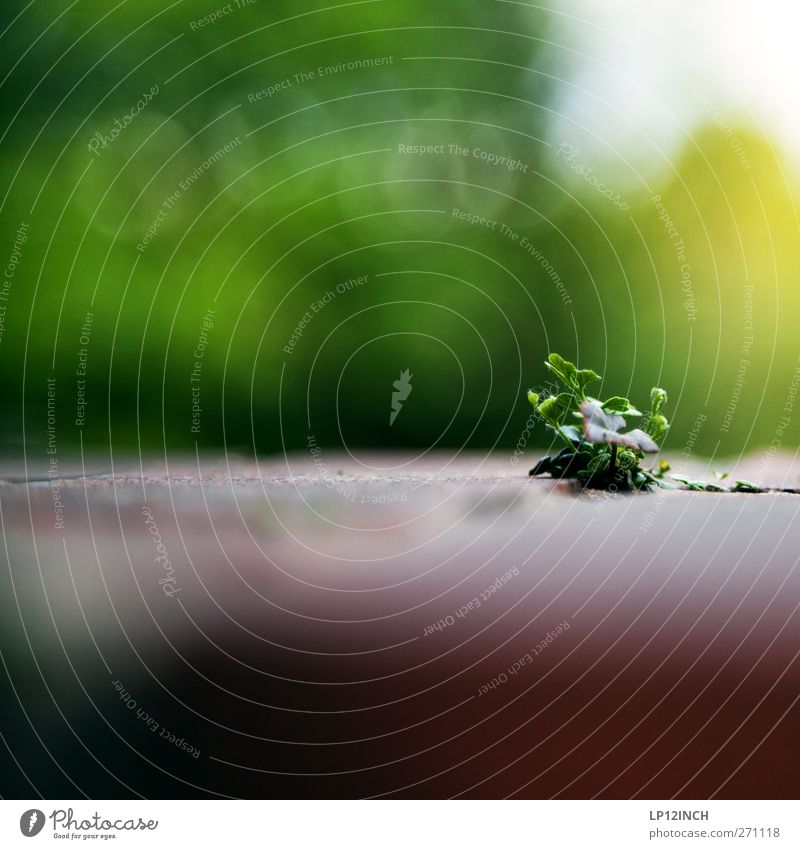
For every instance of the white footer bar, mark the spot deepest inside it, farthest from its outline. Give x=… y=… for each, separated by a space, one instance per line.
x=401 y=824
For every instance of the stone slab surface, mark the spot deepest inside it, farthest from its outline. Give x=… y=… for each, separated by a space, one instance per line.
x=399 y=626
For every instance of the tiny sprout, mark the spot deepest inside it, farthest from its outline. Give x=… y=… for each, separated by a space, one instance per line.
x=655 y=423
x=746 y=486
x=697 y=486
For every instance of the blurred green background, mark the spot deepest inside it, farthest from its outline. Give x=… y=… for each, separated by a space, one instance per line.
x=317 y=187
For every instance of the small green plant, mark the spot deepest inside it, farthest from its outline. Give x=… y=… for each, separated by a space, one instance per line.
x=748 y=486
x=597 y=450
x=698 y=486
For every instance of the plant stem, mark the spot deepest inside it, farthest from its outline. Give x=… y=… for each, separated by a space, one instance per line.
x=613 y=461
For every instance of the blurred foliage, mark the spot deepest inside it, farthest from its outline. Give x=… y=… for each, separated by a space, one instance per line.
x=316 y=192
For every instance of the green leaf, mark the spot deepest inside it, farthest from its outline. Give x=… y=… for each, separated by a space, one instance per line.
x=567 y=463
x=570 y=375
x=572 y=432
x=554 y=408
x=585 y=376
x=600 y=461
x=746 y=486
x=533 y=397
x=564 y=370
x=618 y=404
x=542 y=467
x=697 y=486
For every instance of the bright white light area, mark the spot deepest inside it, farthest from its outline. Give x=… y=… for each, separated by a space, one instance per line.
x=641 y=76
